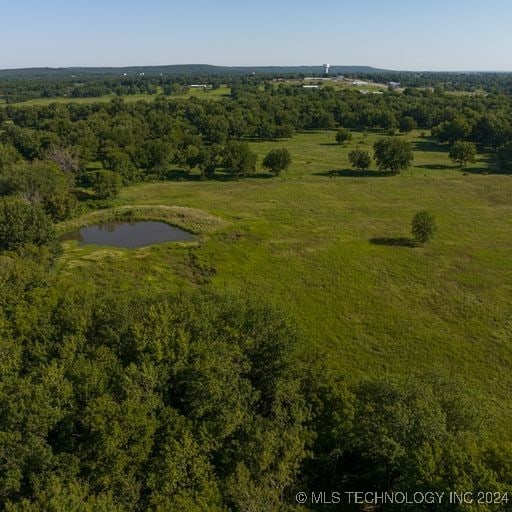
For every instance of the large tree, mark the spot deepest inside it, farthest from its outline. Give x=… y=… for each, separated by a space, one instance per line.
x=393 y=154
x=462 y=152
x=239 y=159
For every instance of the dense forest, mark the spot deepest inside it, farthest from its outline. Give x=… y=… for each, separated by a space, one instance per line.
x=197 y=400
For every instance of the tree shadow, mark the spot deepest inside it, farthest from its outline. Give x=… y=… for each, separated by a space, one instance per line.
x=351 y=173
x=394 y=242
x=185 y=176
x=430 y=146
x=436 y=167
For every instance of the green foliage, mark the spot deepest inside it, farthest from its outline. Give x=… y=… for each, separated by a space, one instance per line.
x=239 y=159
x=360 y=159
x=423 y=226
x=393 y=154
x=277 y=160
x=504 y=157
x=120 y=162
x=457 y=128
x=343 y=135
x=22 y=223
x=132 y=404
x=106 y=184
x=41 y=183
x=407 y=124
x=462 y=152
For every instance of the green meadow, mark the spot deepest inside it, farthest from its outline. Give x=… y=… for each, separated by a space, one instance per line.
x=330 y=247
x=214 y=94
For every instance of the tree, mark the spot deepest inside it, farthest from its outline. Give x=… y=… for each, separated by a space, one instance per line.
x=66 y=158
x=360 y=159
x=423 y=226
x=106 y=184
x=120 y=163
x=504 y=157
x=393 y=154
x=239 y=159
x=343 y=135
x=407 y=124
x=23 y=223
x=457 y=128
x=277 y=160
x=462 y=152
x=42 y=183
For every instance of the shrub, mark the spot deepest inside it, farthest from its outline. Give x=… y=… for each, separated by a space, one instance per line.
x=343 y=135
x=423 y=226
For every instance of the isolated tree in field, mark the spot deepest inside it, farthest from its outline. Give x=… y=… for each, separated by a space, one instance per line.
x=360 y=159
x=239 y=159
x=106 y=184
x=277 y=160
x=343 y=135
x=423 y=226
x=393 y=154
x=462 y=152
x=407 y=124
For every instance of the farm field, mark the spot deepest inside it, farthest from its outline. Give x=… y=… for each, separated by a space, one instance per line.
x=328 y=246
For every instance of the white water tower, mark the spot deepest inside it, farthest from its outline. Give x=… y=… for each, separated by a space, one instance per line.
x=326 y=68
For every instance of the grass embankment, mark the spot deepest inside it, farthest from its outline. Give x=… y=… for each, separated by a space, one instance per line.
x=328 y=251
x=189 y=219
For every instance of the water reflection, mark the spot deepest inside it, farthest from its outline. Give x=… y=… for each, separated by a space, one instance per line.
x=128 y=234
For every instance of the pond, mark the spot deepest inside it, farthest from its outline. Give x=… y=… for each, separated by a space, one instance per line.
x=128 y=234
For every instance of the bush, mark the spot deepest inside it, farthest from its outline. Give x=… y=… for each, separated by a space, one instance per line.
x=343 y=135
x=423 y=227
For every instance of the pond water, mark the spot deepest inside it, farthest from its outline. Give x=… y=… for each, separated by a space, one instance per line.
x=128 y=234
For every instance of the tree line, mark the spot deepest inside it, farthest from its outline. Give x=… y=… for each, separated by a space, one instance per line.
x=197 y=401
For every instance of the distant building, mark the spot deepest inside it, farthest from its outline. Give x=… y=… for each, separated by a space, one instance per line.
x=359 y=82
x=311 y=86
x=198 y=86
x=394 y=85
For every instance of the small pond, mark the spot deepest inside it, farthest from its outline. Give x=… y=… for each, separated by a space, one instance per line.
x=128 y=234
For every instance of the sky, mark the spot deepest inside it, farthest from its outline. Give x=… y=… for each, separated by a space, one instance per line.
x=434 y=35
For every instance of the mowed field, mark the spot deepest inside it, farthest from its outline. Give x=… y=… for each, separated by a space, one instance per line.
x=214 y=94
x=332 y=253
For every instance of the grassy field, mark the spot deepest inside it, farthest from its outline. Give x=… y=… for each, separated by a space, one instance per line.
x=332 y=253
x=215 y=94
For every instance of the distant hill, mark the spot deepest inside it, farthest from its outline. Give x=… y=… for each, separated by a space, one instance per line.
x=180 y=69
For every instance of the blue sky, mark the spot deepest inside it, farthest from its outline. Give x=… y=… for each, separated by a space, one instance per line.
x=394 y=34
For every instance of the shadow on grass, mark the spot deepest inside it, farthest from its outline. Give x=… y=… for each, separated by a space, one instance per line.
x=218 y=176
x=351 y=173
x=436 y=167
x=394 y=242
x=430 y=145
